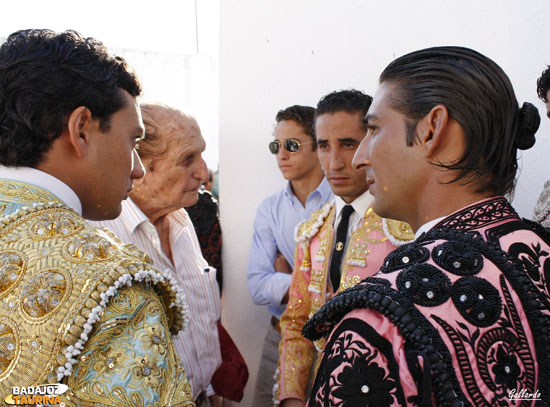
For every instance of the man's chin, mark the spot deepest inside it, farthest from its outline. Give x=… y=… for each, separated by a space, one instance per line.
x=191 y=201
x=383 y=211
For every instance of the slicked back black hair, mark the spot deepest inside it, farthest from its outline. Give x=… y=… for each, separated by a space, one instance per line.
x=478 y=95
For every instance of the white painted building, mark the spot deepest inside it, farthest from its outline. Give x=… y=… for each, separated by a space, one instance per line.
x=277 y=53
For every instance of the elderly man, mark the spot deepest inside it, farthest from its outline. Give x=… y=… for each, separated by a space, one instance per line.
x=78 y=307
x=155 y=221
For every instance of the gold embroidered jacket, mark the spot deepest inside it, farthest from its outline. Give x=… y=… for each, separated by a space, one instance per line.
x=310 y=288
x=78 y=306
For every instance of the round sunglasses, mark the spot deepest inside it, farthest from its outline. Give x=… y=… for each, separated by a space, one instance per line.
x=290 y=144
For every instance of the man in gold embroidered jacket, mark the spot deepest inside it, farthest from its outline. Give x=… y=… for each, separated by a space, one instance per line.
x=77 y=306
x=339 y=130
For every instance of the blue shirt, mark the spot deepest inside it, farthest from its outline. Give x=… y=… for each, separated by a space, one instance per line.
x=274 y=225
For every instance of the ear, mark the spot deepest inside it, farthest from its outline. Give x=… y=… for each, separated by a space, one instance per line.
x=433 y=128
x=80 y=127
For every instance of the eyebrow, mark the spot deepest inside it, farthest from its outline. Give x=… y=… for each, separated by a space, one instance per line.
x=347 y=139
x=368 y=117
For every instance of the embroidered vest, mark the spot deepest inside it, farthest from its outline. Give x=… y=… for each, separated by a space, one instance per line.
x=65 y=288
x=366 y=249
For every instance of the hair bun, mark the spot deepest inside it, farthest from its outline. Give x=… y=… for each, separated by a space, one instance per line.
x=529 y=121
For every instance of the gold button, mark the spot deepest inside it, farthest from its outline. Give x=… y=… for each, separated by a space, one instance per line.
x=339 y=246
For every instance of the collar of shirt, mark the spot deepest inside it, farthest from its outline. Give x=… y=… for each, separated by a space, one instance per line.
x=360 y=206
x=43 y=180
x=132 y=216
x=323 y=191
x=135 y=220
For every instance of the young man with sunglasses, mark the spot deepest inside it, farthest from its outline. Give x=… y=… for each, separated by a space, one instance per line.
x=341 y=244
x=273 y=245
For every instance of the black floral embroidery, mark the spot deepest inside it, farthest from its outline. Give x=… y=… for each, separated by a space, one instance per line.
x=404 y=256
x=349 y=374
x=506 y=370
x=425 y=284
x=457 y=257
x=477 y=301
x=506 y=327
x=478 y=215
x=364 y=383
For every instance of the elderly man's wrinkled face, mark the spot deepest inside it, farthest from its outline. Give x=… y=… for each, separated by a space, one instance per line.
x=173 y=179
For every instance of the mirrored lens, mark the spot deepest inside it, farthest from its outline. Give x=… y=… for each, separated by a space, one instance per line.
x=292 y=145
x=274 y=147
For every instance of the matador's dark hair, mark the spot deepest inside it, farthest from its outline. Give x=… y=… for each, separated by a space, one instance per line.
x=349 y=101
x=44 y=76
x=478 y=95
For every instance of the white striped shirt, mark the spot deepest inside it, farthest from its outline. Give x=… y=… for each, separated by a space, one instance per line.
x=198 y=346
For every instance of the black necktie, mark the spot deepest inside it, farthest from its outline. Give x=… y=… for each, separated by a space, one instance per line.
x=341 y=236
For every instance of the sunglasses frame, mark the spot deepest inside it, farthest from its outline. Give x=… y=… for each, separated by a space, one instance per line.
x=287 y=147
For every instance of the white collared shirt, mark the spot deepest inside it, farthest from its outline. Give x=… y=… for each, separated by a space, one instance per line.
x=360 y=206
x=43 y=180
x=198 y=346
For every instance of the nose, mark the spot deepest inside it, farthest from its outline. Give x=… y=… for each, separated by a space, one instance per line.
x=361 y=158
x=336 y=160
x=138 y=170
x=202 y=171
x=282 y=154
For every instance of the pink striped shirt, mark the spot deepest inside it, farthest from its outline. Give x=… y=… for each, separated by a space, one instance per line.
x=198 y=346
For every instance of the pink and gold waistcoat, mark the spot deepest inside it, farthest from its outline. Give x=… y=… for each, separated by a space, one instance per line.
x=310 y=288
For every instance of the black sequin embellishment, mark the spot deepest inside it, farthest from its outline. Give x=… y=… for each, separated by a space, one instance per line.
x=458 y=258
x=477 y=301
x=425 y=284
x=405 y=256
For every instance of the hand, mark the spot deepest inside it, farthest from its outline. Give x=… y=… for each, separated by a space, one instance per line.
x=292 y=403
x=281 y=265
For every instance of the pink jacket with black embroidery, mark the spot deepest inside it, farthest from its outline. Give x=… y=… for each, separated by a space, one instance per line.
x=459 y=317
x=310 y=288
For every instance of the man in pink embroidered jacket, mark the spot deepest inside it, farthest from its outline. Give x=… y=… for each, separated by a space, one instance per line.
x=460 y=316
x=347 y=225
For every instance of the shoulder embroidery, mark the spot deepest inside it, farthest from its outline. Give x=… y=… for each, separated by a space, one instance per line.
x=306 y=229
x=399 y=233
x=71 y=295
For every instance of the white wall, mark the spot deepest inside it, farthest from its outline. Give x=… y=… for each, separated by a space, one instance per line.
x=186 y=82
x=277 y=53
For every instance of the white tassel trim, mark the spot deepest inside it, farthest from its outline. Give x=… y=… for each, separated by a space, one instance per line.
x=315 y=227
x=395 y=241
x=148 y=276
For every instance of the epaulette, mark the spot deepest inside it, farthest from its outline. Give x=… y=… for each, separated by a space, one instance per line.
x=308 y=228
x=397 y=232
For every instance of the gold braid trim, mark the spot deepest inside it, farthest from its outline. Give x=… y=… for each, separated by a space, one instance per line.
x=57 y=275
